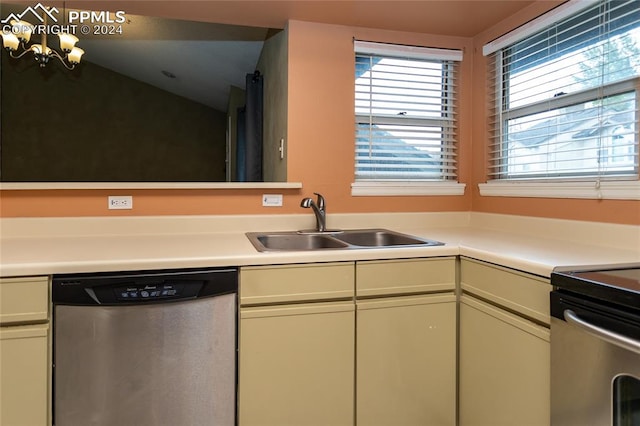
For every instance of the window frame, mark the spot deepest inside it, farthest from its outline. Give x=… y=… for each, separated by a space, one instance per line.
x=404 y=186
x=595 y=186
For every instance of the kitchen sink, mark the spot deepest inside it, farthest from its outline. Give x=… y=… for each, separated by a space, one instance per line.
x=346 y=239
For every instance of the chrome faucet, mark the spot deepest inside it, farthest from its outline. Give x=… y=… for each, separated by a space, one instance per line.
x=318 y=209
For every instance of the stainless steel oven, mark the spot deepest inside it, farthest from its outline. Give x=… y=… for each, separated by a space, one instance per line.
x=595 y=346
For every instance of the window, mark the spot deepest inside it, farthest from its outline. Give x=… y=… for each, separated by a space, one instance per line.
x=405 y=117
x=564 y=95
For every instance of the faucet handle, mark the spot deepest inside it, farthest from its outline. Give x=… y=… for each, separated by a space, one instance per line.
x=320 y=201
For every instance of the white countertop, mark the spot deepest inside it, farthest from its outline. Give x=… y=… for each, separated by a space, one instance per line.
x=71 y=246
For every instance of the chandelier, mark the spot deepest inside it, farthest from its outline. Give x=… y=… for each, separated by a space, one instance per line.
x=16 y=41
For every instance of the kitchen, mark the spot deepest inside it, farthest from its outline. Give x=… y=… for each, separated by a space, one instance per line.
x=41 y=227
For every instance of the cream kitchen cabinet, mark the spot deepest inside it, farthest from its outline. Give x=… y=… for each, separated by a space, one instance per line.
x=504 y=347
x=24 y=351
x=406 y=342
x=296 y=362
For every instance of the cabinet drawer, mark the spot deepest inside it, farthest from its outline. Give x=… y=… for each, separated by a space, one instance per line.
x=518 y=291
x=291 y=283
x=376 y=278
x=23 y=299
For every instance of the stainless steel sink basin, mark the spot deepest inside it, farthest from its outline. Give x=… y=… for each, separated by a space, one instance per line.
x=380 y=238
x=295 y=241
x=347 y=239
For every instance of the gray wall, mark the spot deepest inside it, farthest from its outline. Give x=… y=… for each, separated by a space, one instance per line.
x=92 y=124
x=273 y=65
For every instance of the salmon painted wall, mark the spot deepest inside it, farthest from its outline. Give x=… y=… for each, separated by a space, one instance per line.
x=320 y=142
x=320 y=135
x=613 y=211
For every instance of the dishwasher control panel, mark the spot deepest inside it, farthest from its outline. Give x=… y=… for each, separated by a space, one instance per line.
x=140 y=292
x=142 y=287
x=150 y=291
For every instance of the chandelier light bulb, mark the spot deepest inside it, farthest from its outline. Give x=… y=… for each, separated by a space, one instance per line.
x=75 y=55
x=10 y=41
x=22 y=30
x=67 y=41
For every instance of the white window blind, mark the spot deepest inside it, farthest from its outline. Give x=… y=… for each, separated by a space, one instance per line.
x=563 y=100
x=405 y=112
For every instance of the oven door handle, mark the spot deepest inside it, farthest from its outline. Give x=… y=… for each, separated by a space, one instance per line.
x=602 y=333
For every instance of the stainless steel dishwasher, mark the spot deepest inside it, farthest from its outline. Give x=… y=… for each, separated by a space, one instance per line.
x=145 y=348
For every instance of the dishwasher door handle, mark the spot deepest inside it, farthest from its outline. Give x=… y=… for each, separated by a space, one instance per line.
x=612 y=337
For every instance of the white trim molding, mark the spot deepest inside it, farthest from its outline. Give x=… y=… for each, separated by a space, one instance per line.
x=608 y=190
x=373 y=188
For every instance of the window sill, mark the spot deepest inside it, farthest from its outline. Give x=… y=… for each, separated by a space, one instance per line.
x=373 y=188
x=609 y=190
x=21 y=186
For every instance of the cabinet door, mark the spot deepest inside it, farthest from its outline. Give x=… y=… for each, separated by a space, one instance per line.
x=504 y=368
x=406 y=361
x=296 y=365
x=23 y=375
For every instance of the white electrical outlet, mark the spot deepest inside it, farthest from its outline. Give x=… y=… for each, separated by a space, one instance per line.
x=120 y=202
x=271 y=200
